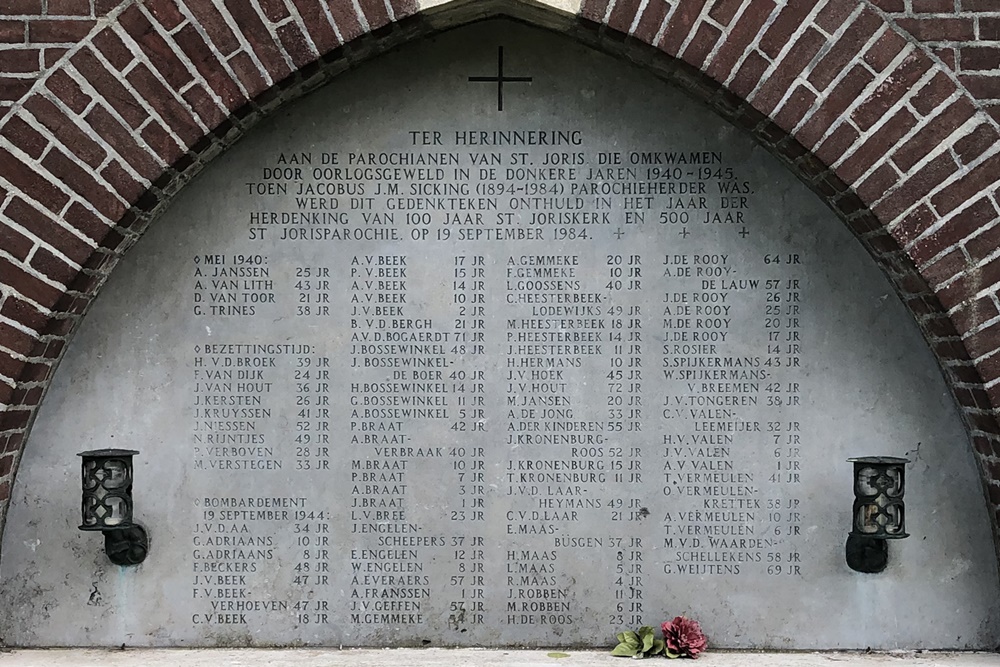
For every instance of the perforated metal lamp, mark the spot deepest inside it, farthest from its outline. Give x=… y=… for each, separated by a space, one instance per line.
x=107 y=504
x=878 y=514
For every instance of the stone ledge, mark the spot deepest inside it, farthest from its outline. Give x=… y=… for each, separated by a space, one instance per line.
x=466 y=658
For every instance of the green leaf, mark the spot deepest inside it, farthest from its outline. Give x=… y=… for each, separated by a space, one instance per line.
x=646 y=634
x=625 y=650
x=669 y=653
x=640 y=643
x=556 y=654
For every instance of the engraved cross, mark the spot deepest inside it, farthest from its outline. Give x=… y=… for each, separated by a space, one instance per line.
x=499 y=79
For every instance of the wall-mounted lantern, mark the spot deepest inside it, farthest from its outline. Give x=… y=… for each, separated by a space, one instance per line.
x=107 y=504
x=878 y=513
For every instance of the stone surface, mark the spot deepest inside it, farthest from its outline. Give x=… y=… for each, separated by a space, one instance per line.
x=405 y=368
x=459 y=657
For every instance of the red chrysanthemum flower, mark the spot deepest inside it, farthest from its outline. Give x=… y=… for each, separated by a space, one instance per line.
x=683 y=637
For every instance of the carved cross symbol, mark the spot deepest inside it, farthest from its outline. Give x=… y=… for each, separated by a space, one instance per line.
x=619 y=233
x=684 y=232
x=743 y=232
x=500 y=78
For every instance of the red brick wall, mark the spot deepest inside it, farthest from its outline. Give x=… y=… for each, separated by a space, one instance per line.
x=964 y=34
x=35 y=34
x=105 y=111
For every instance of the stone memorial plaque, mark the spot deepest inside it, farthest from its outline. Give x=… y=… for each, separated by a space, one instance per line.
x=431 y=359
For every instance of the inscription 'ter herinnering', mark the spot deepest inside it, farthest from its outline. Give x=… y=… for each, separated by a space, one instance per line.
x=429 y=371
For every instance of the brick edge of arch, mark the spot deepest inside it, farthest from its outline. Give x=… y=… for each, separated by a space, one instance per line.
x=860 y=112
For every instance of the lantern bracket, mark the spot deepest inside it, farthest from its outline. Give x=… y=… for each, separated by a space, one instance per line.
x=127 y=546
x=867 y=554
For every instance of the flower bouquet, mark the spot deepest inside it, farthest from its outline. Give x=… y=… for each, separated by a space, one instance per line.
x=682 y=638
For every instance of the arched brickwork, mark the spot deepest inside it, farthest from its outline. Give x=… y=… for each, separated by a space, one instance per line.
x=869 y=118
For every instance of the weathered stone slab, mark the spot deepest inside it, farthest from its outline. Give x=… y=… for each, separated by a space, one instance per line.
x=407 y=369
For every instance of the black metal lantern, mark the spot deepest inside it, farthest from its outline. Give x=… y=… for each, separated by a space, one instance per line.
x=878 y=514
x=107 y=504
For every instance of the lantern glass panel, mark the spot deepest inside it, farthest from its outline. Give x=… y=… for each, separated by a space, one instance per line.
x=117 y=511
x=116 y=474
x=894 y=519
x=90 y=506
x=90 y=480
x=894 y=489
x=866 y=520
x=864 y=483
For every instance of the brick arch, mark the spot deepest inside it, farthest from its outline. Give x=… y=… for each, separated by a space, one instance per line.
x=860 y=111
